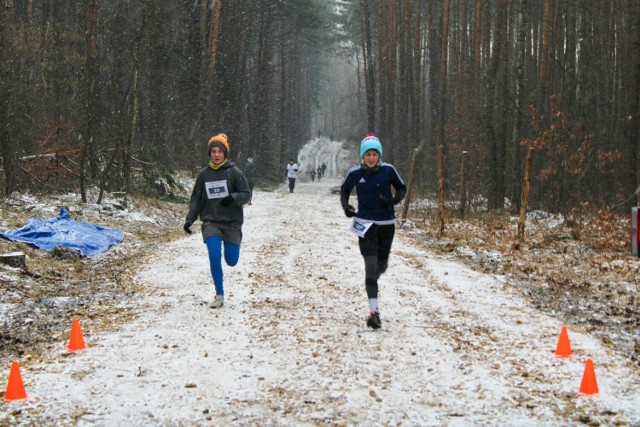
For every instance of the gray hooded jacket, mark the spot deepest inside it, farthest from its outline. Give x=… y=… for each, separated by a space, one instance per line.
x=205 y=201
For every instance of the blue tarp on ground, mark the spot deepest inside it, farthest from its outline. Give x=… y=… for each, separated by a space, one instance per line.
x=88 y=239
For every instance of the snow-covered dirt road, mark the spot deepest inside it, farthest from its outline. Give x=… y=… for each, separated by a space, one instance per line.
x=290 y=346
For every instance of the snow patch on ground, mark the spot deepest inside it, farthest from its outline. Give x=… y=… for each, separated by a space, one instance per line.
x=332 y=153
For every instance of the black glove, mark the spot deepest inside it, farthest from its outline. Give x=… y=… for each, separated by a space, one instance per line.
x=350 y=211
x=226 y=201
x=386 y=201
x=187 y=227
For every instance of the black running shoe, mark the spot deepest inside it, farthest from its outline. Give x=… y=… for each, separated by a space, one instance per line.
x=374 y=321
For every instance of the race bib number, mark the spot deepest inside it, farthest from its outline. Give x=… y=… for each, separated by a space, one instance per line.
x=216 y=189
x=360 y=227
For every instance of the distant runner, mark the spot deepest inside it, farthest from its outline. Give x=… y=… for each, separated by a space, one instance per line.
x=292 y=174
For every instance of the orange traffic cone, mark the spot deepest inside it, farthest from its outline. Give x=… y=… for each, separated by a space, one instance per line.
x=15 y=386
x=589 y=385
x=563 y=349
x=76 y=342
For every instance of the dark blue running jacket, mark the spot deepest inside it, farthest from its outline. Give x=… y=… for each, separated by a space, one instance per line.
x=371 y=188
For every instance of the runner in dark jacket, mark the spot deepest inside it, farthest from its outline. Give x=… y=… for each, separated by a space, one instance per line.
x=251 y=175
x=374 y=221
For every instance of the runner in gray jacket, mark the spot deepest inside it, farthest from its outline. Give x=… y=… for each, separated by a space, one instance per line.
x=217 y=198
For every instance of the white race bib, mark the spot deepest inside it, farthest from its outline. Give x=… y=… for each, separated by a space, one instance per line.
x=216 y=189
x=360 y=227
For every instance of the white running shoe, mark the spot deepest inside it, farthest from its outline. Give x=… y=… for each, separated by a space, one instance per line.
x=218 y=301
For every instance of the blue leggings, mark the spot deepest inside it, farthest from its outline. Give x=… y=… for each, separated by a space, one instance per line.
x=231 y=256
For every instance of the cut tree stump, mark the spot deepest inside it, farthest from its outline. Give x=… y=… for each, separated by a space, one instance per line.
x=14 y=259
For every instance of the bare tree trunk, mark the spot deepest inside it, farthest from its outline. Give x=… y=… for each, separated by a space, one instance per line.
x=444 y=48
x=93 y=94
x=133 y=123
x=412 y=170
x=369 y=68
x=441 y=211
x=263 y=85
x=525 y=194
x=202 y=17
x=387 y=59
x=496 y=196
x=462 y=61
x=519 y=98
x=416 y=98
x=631 y=87
x=463 y=186
x=544 y=53
x=213 y=36
x=134 y=108
x=117 y=101
x=8 y=159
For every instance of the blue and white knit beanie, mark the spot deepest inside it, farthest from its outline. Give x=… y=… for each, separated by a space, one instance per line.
x=370 y=142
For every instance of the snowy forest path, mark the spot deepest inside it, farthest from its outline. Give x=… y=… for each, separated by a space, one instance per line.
x=290 y=346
